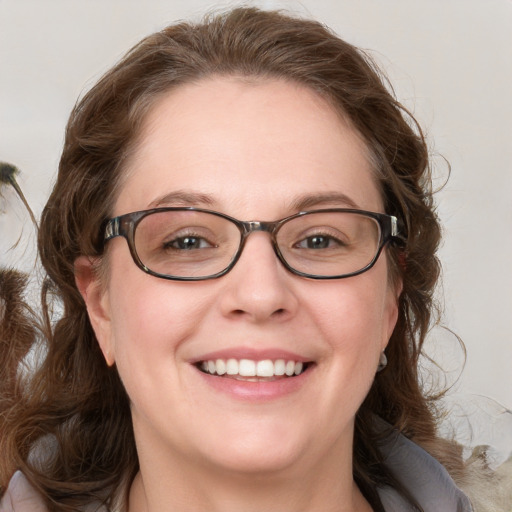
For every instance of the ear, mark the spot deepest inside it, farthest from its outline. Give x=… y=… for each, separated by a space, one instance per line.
x=393 y=298
x=96 y=298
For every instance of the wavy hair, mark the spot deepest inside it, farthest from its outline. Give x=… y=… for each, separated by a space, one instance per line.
x=69 y=429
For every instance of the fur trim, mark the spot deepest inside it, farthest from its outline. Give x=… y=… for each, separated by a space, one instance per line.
x=488 y=490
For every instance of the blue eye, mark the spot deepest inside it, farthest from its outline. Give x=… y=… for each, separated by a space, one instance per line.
x=187 y=243
x=318 y=242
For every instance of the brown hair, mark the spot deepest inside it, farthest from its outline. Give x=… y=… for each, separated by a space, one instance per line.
x=74 y=402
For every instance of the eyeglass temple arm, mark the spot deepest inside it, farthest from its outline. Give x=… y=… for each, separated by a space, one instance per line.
x=396 y=231
x=112 y=229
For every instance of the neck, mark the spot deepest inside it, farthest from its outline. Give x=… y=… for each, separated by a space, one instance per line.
x=187 y=489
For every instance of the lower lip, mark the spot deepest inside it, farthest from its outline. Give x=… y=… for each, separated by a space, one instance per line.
x=256 y=391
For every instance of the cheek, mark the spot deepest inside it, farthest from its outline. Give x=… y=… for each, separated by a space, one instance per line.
x=151 y=320
x=356 y=316
x=152 y=317
x=351 y=317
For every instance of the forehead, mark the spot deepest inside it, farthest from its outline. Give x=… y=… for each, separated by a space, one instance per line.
x=246 y=144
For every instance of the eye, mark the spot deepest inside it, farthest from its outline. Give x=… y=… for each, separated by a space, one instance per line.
x=319 y=241
x=187 y=243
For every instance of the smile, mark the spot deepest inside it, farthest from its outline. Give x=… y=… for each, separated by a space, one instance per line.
x=248 y=369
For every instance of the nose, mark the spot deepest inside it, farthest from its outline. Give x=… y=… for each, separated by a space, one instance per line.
x=259 y=288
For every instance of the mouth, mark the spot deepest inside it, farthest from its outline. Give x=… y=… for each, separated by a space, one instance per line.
x=248 y=370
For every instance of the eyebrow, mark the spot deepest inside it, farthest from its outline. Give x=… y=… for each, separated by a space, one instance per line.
x=300 y=203
x=308 y=201
x=184 y=198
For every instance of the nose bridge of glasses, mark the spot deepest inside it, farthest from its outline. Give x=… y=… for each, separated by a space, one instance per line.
x=263 y=226
x=256 y=225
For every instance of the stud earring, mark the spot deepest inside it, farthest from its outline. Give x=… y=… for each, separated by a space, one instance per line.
x=383 y=362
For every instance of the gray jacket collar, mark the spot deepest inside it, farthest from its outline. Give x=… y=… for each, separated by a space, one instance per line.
x=423 y=476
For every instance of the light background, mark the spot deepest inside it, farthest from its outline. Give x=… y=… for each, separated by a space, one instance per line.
x=450 y=62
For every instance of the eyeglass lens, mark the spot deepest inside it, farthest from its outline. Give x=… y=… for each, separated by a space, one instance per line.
x=194 y=244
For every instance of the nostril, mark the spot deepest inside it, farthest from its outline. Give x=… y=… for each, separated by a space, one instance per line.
x=240 y=312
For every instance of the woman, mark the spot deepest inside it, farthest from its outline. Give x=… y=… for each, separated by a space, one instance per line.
x=243 y=240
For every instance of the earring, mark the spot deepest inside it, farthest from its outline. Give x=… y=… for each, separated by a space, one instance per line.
x=383 y=362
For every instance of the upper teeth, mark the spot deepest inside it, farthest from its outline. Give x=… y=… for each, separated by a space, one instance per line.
x=250 y=368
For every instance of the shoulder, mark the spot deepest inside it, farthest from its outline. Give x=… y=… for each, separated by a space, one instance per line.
x=423 y=477
x=488 y=485
x=479 y=489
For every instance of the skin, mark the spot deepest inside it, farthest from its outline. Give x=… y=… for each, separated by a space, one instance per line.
x=253 y=148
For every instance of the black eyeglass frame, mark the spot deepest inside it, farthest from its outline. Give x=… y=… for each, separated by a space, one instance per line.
x=125 y=226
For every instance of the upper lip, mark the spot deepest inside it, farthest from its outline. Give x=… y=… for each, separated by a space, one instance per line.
x=252 y=354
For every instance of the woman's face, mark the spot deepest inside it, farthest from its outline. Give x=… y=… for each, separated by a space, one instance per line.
x=255 y=151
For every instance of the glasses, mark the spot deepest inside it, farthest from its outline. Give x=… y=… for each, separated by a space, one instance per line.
x=192 y=244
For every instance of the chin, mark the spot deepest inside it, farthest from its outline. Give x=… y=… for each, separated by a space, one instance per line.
x=255 y=463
